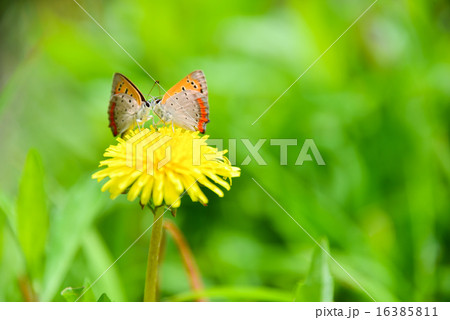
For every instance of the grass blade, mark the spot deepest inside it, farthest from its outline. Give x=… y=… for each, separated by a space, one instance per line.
x=32 y=213
x=319 y=285
x=71 y=222
x=98 y=260
x=236 y=294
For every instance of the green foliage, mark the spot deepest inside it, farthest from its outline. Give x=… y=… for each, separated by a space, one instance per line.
x=32 y=213
x=99 y=259
x=72 y=294
x=80 y=294
x=375 y=105
x=235 y=294
x=104 y=298
x=3 y=217
x=318 y=286
x=70 y=225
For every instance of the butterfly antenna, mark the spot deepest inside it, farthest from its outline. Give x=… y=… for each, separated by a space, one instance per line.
x=154 y=84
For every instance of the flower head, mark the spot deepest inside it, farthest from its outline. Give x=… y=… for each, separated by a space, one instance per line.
x=159 y=165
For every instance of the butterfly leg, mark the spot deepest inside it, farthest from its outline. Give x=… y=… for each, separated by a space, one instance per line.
x=138 y=122
x=151 y=117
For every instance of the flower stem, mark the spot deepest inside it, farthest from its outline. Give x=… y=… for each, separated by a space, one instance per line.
x=151 y=277
x=26 y=289
x=192 y=270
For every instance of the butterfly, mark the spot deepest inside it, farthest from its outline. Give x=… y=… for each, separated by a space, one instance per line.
x=185 y=104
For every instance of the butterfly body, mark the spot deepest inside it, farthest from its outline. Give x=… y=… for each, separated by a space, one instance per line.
x=185 y=104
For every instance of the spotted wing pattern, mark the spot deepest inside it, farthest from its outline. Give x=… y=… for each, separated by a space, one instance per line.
x=124 y=104
x=122 y=113
x=194 y=81
x=186 y=103
x=122 y=84
x=188 y=109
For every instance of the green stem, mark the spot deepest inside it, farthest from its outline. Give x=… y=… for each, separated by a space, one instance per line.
x=151 y=277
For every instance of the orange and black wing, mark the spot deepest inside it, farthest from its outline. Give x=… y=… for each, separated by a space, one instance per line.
x=124 y=103
x=194 y=81
x=122 y=84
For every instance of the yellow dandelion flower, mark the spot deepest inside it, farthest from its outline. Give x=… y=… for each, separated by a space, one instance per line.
x=159 y=165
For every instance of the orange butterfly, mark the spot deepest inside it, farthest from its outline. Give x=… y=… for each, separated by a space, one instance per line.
x=185 y=104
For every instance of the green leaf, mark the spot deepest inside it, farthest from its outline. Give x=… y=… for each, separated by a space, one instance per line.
x=99 y=259
x=236 y=294
x=104 y=298
x=32 y=213
x=3 y=226
x=71 y=221
x=3 y=217
x=12 y=264
x=73 y=294
x=319 y=285
x=6 y=208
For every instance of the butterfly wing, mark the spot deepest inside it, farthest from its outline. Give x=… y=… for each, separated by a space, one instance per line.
x=124 y=104
x=194 y=81
x=187 y=102
x=188 y=109
x=122 y=84
x=122 y=113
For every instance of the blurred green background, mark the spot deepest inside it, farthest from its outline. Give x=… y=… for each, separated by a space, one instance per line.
x=376 y=105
